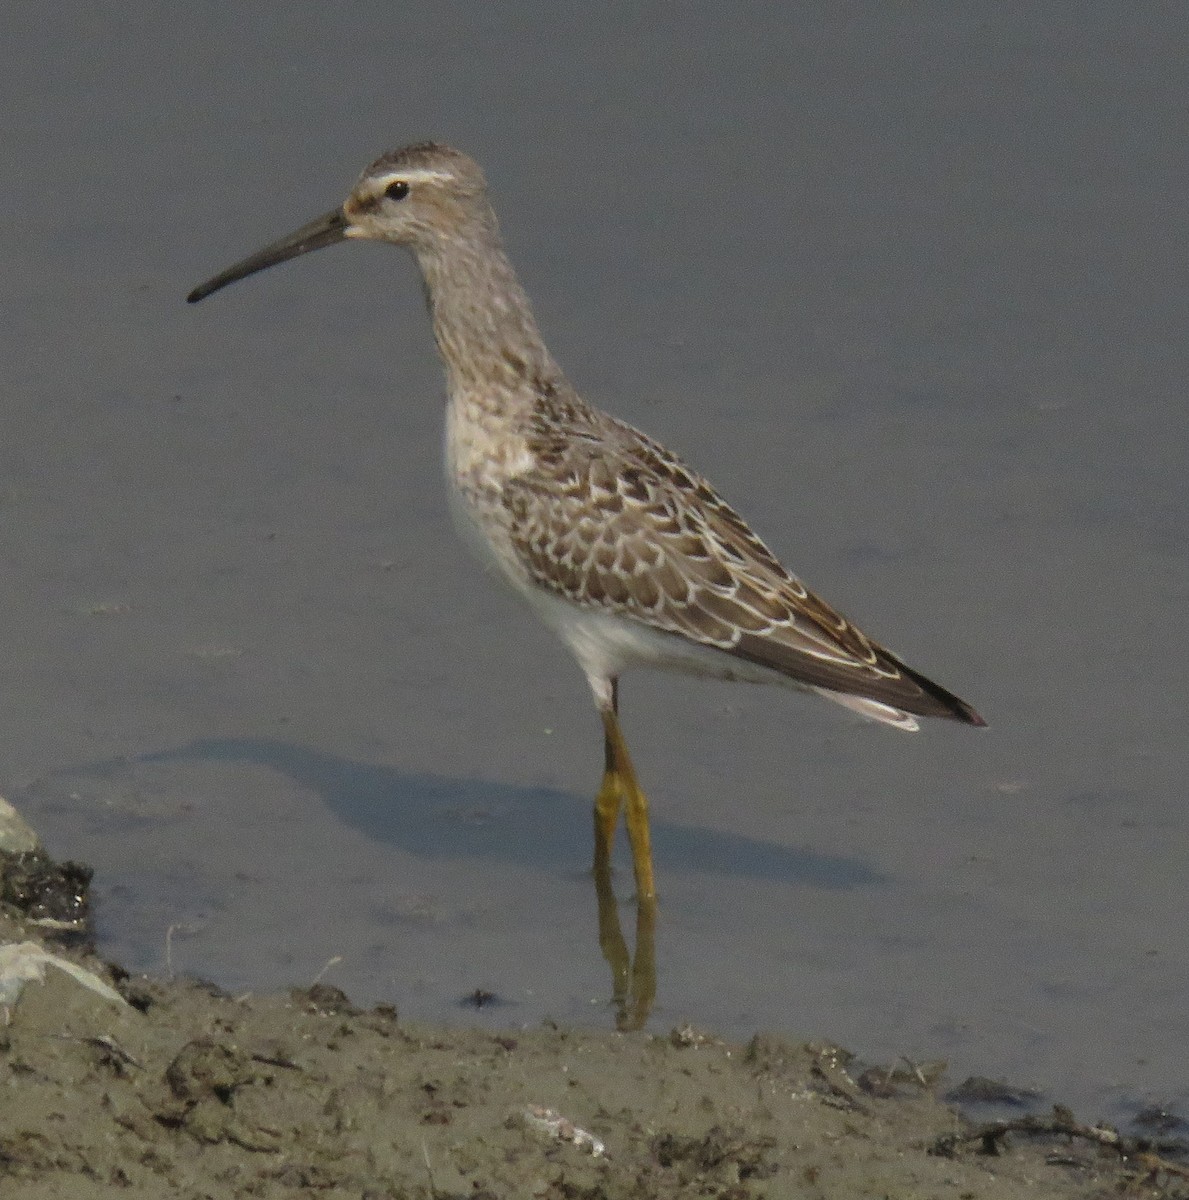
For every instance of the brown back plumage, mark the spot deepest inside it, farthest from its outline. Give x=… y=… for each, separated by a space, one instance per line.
x=610 y=519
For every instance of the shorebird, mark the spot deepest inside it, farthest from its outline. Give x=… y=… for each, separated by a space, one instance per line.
x=631 y=557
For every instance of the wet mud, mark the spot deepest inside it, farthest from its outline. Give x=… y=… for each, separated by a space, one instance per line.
x=171 y=1087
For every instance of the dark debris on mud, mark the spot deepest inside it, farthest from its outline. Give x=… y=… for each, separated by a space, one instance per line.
x=54 y=896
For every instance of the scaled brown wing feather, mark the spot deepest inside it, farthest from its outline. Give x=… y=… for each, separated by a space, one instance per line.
x=609 y=519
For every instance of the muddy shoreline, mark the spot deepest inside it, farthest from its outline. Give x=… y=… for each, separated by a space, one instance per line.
x=143 y=1086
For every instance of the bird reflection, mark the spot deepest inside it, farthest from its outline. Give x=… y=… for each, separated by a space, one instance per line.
x=633 y=979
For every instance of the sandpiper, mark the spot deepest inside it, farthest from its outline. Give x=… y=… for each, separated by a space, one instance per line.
x=632 y=558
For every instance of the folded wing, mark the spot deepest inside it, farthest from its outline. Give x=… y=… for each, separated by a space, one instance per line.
x=611 y=520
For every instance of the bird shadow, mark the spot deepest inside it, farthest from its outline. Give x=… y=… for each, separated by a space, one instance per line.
x=442 y=816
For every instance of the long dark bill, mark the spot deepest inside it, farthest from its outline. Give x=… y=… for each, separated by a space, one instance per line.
x=326 y=230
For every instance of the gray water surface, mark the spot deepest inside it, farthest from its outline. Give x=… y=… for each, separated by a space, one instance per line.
x=907 y=282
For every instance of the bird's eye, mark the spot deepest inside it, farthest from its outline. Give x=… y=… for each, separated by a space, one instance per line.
x=397 y=190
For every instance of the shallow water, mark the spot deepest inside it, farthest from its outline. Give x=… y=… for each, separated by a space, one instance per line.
x=908 y=289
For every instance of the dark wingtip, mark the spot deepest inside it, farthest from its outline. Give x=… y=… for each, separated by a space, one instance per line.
x=948 y=705
x=196 y=295
x=955 y=708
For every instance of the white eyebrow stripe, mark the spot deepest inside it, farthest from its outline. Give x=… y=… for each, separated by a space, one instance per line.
x=413 y=175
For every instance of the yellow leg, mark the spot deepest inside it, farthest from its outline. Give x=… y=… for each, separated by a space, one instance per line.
x=621 y=788
x=633 y=981
x=606 y=813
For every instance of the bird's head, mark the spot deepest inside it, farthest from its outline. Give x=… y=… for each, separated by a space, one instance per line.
x=418 y=196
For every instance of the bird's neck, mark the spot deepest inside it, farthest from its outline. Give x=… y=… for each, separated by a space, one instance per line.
x=482 y=320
